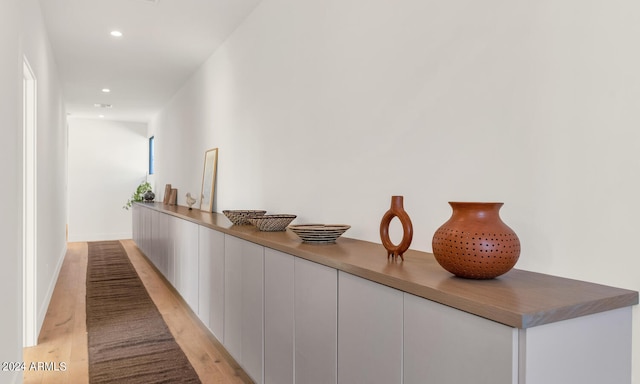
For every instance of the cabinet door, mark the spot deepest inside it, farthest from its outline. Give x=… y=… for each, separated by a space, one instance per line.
x=135 y=224
x=145 y=230
x=139 y=221
x=591 y=349
x=211 y=281
x=369 y=332
x=163 y=243
x=316 y=323
x=243 y=301
x=186 y=262
x=443 y=345
x=148 y=228
x=154 y=243
x=278 y=317
x=172 y=234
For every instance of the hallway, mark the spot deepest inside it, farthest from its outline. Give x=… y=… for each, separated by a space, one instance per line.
x=62 y=344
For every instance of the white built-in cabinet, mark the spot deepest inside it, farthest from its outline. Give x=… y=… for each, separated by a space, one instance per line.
x=136 y=217
x=589 y=349
x=185 y=260
x=288 y=320
x=211 y=281
x=451 y=347
x=156 y=233
x=316 y=322
x=300 y=320
x=243 y=304
x=278 y=317
x=370 y=324
x=163 y=246
x=172 y=245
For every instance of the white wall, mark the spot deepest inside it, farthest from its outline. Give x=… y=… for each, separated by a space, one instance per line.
x=51 y=165
x=10 y=164
x=107 y=161
x=22 y=33
x=325 y=109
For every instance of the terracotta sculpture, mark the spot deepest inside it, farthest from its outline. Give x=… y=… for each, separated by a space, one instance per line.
x=396 y=210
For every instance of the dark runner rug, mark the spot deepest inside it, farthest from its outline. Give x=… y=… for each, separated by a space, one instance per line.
x=129 y=342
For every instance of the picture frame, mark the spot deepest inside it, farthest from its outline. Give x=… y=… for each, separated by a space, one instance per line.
x=207 y=191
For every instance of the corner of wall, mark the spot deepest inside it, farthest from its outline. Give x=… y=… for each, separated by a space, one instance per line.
x=44 y=304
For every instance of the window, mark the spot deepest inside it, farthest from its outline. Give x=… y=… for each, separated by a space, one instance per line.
x=152 y=157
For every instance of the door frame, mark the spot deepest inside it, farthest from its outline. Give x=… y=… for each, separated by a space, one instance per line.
x=29 y=206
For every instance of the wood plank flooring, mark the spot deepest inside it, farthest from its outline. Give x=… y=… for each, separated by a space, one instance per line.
x=63 y=337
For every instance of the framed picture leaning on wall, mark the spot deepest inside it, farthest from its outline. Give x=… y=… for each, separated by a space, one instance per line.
x=208 y=179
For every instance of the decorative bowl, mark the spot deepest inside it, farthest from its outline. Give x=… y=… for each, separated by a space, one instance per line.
x=272 y=223
x=319 y=233
x=149 y=196
x=240 y=217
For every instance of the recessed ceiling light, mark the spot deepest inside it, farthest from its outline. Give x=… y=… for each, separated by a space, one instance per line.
x=101 y=116
x=98 y=105
x=116 y=33
x=106 y=90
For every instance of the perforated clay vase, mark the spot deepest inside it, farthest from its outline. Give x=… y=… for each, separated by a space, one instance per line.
x=474 y=243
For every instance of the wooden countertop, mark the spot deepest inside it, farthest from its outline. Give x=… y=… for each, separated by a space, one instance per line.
x=520 y=299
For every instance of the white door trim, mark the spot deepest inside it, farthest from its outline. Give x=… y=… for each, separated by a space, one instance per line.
x=29 y=206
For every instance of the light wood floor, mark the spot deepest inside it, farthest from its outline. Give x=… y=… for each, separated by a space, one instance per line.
x=63 y=337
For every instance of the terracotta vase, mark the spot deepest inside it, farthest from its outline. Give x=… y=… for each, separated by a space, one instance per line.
x=474 y=243
x=396 y=210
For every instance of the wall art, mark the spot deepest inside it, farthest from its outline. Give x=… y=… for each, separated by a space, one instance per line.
x=208 y=179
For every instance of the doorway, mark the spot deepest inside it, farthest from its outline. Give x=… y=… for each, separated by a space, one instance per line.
x=29 y=207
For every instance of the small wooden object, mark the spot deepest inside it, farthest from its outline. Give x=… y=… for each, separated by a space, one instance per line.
x=173 y=197
x=396 y=210
x=167 y=194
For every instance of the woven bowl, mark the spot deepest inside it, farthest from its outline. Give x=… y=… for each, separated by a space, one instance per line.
x=272 y=223
x=240 y=217
x=319 y=233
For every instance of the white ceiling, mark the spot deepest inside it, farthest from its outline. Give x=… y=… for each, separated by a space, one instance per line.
x=163 y=43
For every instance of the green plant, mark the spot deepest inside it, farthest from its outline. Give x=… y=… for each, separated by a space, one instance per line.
x=138 y=194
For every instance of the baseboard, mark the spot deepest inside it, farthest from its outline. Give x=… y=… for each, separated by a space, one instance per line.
x=42 y=311
x=73 y=238
x=16 y=377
